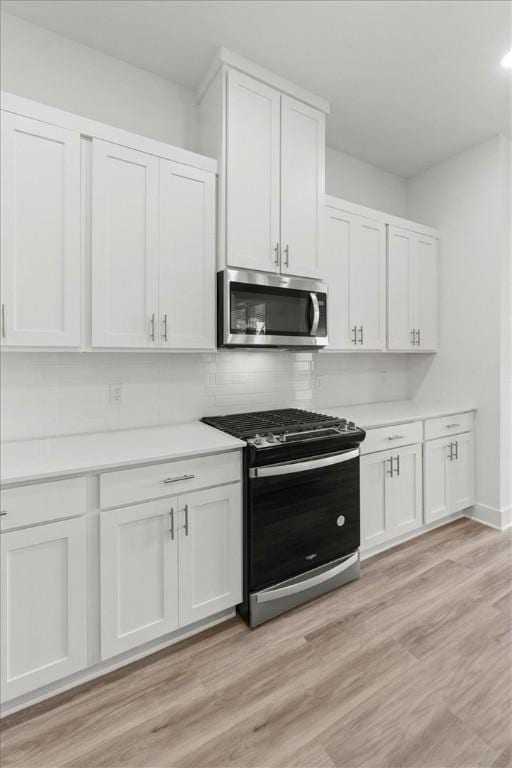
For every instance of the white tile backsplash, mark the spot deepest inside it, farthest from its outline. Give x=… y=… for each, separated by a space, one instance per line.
x=54 y=393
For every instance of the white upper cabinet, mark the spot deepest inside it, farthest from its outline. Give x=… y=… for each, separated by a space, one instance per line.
x=302 y=186
x=153 y=251
x=252 y=173
x=40 y=233
x=353 y=261
x=124 y=247
x=269 y=138
x=412 y=291
x=186 y=285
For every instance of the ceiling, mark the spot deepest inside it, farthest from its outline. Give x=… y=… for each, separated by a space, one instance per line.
x=410 y=81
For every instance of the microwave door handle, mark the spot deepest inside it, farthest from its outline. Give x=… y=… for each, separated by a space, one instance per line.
x=316 y=314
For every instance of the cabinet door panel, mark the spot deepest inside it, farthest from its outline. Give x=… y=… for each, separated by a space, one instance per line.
x=187 y=257
x=462 y=472
x=43 y=605
x=40 y=233
x=337 y=236
x=368 y=284
x=139 y=575
x=302 y=186
x=375 y=523
x=252 y=173
x=210 y=560
x=426 y=291
x=404 y=491
x=124 y=246
x=400 y=289
x=436 y=479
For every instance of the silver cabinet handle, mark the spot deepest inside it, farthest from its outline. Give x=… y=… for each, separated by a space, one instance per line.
x=3 y=321
x=316 y=314
x=171 y=529
x=456 y=444
x=354 y=334
x=418 y=332
x=3 y=514
x=395 y=437
x=361 y=337
x=390 y=470
x=274 y=593
x=452 y=426
x=152 y=327
x=287 y=255
x=177 y=479
x=413 y=336
x=185 y=509
x=302 y=466
x=450 y=455
x=164 y=333
x=397 y=465
x=276 y=257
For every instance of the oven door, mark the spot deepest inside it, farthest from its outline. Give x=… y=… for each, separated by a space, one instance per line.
x=302 y=515
x=266 y=310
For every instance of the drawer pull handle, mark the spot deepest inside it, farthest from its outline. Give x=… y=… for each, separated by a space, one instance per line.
x=177 y=479
x=452 y=426
x=396 y=437
x=3 y=514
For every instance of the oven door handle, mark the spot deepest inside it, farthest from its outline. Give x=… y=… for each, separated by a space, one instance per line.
x=316 y=314
x=302 y=466
x=276 y=593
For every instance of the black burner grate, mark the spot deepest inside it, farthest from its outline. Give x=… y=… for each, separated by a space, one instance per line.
x=247 y=425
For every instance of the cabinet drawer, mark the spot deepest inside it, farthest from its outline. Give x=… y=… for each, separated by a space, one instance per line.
x=40 y=503
x=128 y=486
x=448 y=425
x=382 y=438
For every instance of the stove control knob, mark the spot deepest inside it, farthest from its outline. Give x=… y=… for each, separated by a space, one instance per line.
x=343 y=421
x=258 y=440
x=351 y=425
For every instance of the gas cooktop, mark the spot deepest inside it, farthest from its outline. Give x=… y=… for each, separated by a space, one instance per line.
x=265 y=429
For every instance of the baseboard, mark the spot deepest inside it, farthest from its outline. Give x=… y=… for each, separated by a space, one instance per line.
x=491 y=516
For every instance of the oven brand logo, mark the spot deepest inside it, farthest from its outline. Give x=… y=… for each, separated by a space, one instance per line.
x=312 y=556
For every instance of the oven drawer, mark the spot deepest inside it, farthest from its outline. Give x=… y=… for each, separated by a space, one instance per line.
x=383 y=438
x=42 y=502
x=448 y=425
x=129 y=486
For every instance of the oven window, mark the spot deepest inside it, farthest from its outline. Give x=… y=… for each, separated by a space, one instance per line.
x=271 y=311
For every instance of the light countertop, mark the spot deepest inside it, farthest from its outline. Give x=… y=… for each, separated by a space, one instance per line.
x=372 y=415
x=45 y=458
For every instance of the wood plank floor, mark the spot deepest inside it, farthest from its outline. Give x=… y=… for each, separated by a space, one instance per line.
x=410 y=666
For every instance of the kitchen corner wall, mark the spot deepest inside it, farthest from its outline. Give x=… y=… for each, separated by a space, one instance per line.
x=46 y=393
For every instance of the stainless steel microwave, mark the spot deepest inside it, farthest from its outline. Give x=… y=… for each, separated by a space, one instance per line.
x=260 y=309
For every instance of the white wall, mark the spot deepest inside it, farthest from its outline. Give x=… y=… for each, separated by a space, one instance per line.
x=362 y=183
x=49 y=68
x=464 y=197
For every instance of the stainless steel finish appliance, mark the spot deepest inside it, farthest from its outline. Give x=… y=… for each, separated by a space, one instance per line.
x=301 y=509
x=260 y=309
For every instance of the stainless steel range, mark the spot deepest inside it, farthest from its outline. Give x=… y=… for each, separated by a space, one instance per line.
x=301 y=510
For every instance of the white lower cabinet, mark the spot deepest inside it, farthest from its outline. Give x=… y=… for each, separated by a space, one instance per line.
x=448 y=472
x=391 y=494
x=43 y=603
x=168 y=563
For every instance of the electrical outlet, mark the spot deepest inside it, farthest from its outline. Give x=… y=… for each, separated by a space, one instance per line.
x=115 y=393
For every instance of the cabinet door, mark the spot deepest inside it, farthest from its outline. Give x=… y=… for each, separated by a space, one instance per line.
x=375 y=521
x=404 y=491
x=210 y=562
x=425 y=282
x=337 y=237
x=139 y=575
x=401 y=324
x=124 y=247
x=461 y=468
x=187 y=257
x=437 y=479
x=44 y=600
x=252 y=173
x=40 y=234
x=368 y=284
x=302 y=186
